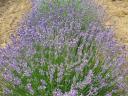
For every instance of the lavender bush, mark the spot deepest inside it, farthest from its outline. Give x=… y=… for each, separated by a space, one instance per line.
x=78 y=5
x=53 y=54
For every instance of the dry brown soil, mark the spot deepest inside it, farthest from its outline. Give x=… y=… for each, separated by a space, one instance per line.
x=11 y=13
x=117 y=16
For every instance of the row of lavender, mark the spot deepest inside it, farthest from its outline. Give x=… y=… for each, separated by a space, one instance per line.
x=61 y=50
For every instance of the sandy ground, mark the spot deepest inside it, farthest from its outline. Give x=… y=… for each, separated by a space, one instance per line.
x=117 y=16
x=11 y=12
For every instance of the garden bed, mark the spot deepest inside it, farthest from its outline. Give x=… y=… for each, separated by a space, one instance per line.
x=61 y=48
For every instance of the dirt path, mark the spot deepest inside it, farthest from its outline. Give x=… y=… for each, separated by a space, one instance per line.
x=11 y=12
x=117 y=11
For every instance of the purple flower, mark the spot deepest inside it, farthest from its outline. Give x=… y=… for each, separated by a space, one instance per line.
x=109 y=94
x=30 y=89
x=57 y=93
x=7 y=75
x=88 y=79
x=7 y=91
x=72 y=93
x=17 y=81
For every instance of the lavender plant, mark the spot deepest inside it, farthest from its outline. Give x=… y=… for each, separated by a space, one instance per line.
x=90 y=14
x=53 y=55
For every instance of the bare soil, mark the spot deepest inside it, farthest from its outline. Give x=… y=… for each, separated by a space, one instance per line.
x=3 y=2
x=117 y=16
x=11 y=13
